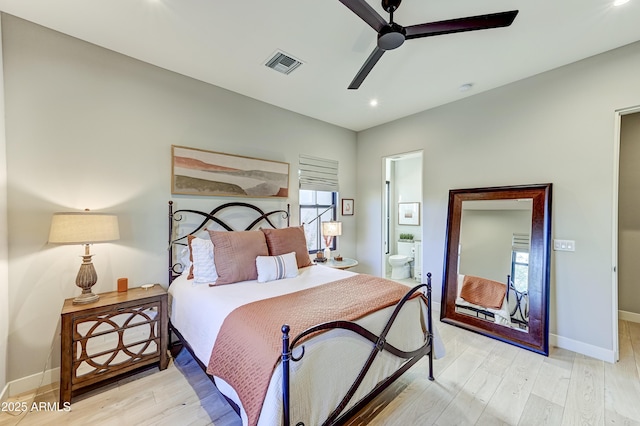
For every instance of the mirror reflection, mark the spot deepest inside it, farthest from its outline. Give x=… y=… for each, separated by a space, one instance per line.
x=493 y=261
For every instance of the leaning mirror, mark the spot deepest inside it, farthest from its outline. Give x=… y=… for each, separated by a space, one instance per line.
x=496 y=277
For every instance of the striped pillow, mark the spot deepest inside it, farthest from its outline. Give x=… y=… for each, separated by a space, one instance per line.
x=272 y=268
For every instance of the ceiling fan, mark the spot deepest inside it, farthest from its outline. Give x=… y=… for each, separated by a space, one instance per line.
x=391 y=35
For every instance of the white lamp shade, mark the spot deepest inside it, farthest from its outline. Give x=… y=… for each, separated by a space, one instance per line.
x=83 y=228
x=331 y=229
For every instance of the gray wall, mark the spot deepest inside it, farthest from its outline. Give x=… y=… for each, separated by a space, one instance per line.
x=629 y=215
x=407 y=189
x=554 y=127
x=90 y=128
x=4 y=279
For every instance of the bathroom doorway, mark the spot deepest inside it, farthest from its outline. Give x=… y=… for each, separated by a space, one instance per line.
x=626 y=301
x=402 y=217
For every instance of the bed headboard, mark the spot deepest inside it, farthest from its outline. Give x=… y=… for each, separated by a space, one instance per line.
x=206 y=218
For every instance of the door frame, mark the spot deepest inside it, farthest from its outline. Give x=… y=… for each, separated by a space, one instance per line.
x=616 y=187
x=395 y=157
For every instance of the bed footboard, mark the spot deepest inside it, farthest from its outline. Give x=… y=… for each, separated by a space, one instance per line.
x=379 y=344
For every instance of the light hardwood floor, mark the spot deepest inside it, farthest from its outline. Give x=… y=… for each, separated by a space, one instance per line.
x=480 y=381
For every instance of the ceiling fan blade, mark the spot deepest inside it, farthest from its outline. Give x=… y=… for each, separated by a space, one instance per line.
x=366 y=13
x=471 y=23
x=366 y=68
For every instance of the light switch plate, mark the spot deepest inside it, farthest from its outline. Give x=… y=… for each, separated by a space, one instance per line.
x=564 y=245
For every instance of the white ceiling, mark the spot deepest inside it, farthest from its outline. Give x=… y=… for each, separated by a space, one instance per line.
x=227 y=43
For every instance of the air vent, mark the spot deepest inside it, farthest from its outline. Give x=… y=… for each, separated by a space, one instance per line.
x=283 y=63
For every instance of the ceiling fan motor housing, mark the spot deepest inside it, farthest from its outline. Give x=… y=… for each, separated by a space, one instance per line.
x=390 y=5
x=391 y=36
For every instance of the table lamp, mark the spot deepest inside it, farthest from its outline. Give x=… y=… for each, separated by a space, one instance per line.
x=84 y=228
x=329 y=230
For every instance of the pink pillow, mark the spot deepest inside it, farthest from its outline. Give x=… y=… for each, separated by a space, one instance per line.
x=286 y=240
x=235 y=255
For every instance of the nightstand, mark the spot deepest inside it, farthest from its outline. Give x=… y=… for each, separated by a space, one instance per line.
x=117 y=334
x=345 y=263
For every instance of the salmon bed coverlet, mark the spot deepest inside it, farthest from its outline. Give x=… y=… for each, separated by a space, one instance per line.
x=249 y=344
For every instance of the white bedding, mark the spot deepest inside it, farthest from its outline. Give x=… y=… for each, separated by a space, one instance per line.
x=198 y=312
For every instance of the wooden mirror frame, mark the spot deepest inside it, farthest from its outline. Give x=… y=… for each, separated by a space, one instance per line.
x=537 y=337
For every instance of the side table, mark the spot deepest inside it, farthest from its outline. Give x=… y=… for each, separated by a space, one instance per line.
x=117 y=334
x=345 y=263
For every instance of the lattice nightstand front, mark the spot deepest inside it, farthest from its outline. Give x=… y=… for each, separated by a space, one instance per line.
x=119 y=333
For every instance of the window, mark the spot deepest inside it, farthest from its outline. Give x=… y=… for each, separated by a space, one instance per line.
x=520 y=270
x=520 y=262
x=318 y=180
x=315 y=208
x=519 y=296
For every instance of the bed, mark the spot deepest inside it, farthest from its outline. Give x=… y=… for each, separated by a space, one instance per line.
x=324 y=371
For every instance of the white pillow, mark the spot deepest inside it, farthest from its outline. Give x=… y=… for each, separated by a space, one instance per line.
x=272 y=268
x=183 y=259
x=204 y=268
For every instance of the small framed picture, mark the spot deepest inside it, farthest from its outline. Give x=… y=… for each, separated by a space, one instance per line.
x=347 y=207
x=408 y=213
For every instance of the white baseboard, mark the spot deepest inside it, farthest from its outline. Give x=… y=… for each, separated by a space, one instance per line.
x=30 y=383
x=5 y=393
x=603 y=354
x=629 y=316
x=607 y=355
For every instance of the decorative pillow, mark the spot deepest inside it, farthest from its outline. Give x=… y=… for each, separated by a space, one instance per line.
x=203 y=268
x=286 y=240
x=235 y=254
x=272 y=268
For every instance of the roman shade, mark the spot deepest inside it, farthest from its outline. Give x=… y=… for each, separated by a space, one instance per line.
x=318 y=174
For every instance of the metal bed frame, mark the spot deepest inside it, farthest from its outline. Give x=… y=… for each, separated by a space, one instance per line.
x=339 y=415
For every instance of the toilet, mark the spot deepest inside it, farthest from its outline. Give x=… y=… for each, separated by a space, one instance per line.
x=400 y=263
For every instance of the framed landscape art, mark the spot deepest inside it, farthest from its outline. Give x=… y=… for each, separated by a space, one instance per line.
x=200 y=172
x=408 y=213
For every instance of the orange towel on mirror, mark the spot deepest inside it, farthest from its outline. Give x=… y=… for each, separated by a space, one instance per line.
x=483 y=292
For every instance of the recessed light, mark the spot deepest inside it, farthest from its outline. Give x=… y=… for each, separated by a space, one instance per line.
x=373 y=102
x=465 y=87
x=620 y=2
